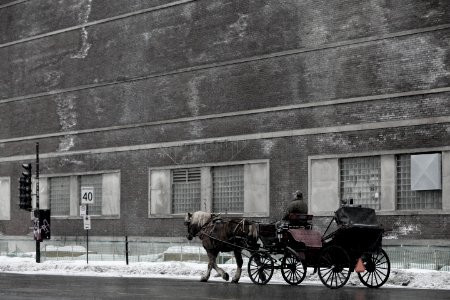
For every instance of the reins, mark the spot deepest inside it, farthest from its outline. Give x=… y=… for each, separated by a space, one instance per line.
x=230 y=244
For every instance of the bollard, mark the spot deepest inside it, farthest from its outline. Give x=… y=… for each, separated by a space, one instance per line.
x=126 y=249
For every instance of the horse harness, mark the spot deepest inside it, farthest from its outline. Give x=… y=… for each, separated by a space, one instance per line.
x=210 y=225
x=208 y=228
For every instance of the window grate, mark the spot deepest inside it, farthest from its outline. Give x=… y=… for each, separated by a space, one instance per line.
x=228 y=189
x=360 y=180
x=186 y=175
x=186 y=190
x=408 y=199
x=60 y=196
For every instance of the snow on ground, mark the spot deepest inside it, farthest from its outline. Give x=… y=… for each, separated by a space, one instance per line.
x=411 y=278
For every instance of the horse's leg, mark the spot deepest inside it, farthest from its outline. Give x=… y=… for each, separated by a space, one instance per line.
x=219 y=270
x=211 y=263
x=239 y=262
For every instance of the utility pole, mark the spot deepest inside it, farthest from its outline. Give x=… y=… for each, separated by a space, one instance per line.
x=40 y=217
x=37 y=212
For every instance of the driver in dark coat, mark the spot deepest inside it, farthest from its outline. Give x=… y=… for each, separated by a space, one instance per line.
x=297 y=205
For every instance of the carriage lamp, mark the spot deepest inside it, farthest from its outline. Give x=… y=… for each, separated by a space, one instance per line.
x=279 y=234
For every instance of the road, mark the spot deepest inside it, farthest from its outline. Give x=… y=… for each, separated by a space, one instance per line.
x=47 y=287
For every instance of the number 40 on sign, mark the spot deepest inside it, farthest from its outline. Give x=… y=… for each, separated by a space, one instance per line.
x=87 y=195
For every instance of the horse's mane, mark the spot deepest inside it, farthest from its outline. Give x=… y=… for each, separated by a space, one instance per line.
x=200 y=218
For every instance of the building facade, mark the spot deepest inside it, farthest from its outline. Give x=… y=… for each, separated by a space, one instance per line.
x=166 y=106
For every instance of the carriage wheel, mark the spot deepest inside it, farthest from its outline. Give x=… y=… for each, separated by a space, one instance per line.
x=378 y=268
x=334 y=267
x=260 y=268
x=292 y=269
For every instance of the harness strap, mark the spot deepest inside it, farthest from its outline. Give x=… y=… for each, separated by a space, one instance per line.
x=202 y=230
x=242 y=223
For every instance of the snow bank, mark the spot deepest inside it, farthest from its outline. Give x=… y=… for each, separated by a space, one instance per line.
x=412 y=278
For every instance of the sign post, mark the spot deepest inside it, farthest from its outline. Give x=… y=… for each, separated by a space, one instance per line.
x=87 y=197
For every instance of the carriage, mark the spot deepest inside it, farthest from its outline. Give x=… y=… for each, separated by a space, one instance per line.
x=292 y=246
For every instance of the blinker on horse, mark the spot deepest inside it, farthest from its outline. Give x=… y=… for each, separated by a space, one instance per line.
x=218 y=235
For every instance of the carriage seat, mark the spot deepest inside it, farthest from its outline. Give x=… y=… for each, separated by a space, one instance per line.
x=300 y=220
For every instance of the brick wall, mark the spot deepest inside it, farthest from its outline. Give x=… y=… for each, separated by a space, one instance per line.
x=89 y=80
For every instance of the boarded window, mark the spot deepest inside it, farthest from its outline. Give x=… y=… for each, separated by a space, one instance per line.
x=426 y=172
x=408 y=199
x=186 y=190
x=360 y=181
x=5 y=198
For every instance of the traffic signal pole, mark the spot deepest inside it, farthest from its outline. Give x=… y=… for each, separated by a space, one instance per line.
x=38 y=240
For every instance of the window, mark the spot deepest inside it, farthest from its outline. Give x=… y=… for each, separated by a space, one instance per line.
x=237 y=188
x=94 y=181
x=228 y=189
x=360 y=180
x=388 y=182
x=63 y=196
x=186 y=190
x=60 y=196
x=406 y=197
x=5 y=198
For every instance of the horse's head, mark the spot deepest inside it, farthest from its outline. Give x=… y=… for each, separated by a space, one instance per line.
x=191 y=228
x=194 y=223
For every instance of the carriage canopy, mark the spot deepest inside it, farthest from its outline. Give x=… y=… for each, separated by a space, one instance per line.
x=356 y=216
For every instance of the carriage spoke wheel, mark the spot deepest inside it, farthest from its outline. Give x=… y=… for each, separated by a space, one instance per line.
x=334 y=267
x=260 y=268
x=292 y=269
x=378 y=268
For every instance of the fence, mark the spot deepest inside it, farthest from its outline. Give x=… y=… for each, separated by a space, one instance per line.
x=407 y=257
x=138 y=251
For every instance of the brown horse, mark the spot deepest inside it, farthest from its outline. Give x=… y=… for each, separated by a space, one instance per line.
x=218 y=235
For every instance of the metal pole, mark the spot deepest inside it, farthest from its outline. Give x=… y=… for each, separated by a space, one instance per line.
x=87 y=237
x=126 y=248
x=37 y=175
x=38 y=241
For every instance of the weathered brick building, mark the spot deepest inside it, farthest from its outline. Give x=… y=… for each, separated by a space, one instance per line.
x=166 y=106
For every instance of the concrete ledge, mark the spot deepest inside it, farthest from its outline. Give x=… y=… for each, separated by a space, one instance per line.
x=419 y=243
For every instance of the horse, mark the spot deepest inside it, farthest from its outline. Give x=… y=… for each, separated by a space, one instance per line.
x=218 y=235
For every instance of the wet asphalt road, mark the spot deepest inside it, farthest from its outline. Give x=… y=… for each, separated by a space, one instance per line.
x=19 y=286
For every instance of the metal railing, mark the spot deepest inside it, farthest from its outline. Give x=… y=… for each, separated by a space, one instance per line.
x=405 y=257
x=409 y=257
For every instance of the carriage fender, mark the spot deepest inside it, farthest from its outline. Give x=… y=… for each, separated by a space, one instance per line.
x=311 y=238
x=299 y=255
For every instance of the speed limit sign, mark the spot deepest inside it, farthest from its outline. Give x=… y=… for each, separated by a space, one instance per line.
x=87 y=195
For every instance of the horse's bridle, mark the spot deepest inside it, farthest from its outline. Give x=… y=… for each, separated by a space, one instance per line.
x=198 y=233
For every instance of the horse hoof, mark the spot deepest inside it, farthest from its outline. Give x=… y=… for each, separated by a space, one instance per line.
x=225 y=276
x=203 y=279
x=235 y=280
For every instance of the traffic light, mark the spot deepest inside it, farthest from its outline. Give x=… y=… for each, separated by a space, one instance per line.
x=25 y=188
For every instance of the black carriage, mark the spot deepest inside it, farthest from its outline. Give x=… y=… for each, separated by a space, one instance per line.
x=354 y=246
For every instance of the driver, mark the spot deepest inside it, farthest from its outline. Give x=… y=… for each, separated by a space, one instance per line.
x=297 y=205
